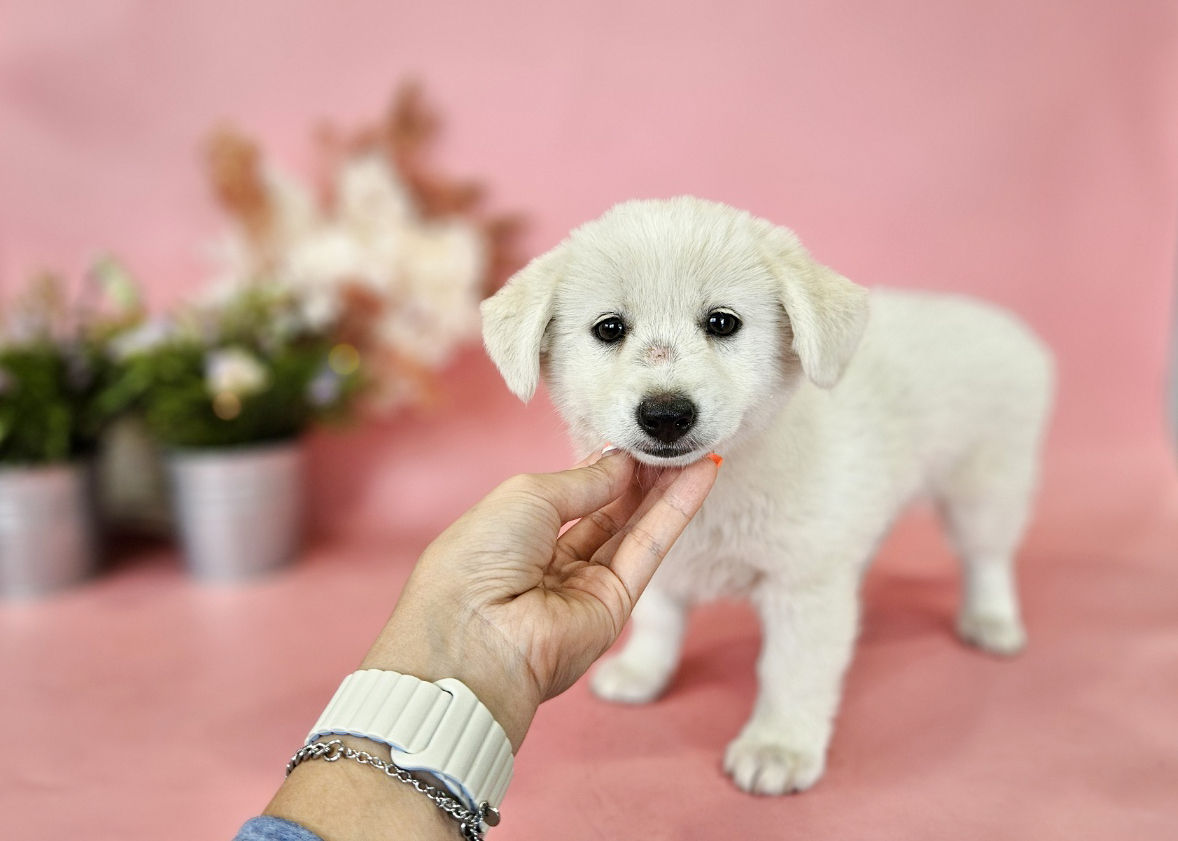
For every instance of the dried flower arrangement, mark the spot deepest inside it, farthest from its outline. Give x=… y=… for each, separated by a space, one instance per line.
x=369 y=282
x=398 y=252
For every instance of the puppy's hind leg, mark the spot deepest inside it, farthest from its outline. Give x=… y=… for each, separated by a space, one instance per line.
x=985 y=502
x=650 y=656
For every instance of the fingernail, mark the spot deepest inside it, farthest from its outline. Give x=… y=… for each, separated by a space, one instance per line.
x=609 y=450
x=716 y=460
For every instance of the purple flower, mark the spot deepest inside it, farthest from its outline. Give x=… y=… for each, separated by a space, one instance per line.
x=325 y=388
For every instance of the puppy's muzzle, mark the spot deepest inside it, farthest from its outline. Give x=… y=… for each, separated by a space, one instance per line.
x=666 y=417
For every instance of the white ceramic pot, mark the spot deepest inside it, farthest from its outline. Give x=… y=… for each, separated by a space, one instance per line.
x=238 y=510
x=47 y=536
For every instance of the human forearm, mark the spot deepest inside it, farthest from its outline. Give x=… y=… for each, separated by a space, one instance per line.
x=416 y=643
x=516 y=610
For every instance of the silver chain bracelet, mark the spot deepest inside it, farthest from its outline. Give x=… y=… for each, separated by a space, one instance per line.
x=472 y=822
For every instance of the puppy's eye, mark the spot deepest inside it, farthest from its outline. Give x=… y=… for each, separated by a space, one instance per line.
x=721 y=323
x=610 y=329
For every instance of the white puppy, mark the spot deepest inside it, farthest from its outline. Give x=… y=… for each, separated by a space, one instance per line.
x=677 y=328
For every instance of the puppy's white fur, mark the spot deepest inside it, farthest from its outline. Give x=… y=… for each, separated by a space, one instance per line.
x=829 y=422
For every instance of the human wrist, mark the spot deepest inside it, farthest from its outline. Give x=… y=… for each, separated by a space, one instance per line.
x=435 y=737
x=345 y=801
x=410 y=651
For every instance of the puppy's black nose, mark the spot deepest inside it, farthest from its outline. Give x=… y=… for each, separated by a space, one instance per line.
x=667 y=417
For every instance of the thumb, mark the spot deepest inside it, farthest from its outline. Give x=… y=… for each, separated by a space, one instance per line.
x=583 y=490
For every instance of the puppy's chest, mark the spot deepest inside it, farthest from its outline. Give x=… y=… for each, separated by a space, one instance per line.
x=731 y=544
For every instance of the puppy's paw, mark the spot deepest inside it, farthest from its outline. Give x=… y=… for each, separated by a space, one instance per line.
x=619 y=680
x=767 y=765
x=1000 y=635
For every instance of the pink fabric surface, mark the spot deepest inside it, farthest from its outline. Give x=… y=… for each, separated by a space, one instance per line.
x=142 y=698
x=1026 y=152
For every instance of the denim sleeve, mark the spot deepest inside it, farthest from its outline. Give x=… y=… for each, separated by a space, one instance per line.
x=273 y=829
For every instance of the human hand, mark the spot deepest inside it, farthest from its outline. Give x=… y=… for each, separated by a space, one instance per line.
x=518 y=611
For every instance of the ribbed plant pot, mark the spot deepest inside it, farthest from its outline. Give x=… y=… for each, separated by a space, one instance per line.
x=47 y=536
x=238 y=510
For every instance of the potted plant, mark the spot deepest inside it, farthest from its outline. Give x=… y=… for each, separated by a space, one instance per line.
x=53 y=375
x=227 y=389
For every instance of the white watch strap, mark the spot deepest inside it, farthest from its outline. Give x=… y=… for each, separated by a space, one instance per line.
x=437 y=727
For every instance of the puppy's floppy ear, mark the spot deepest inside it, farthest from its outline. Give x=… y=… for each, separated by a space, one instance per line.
x=515 y=319
x=827 y=312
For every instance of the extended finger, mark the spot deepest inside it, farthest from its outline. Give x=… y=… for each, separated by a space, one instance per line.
x=647 y=540
x=651 y=483
x=593 y=530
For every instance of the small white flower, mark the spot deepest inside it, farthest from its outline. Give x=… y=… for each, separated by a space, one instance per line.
x=371 y=197
x=234 y=371
x=319 y=308
x=147 y=336
x=326 y=256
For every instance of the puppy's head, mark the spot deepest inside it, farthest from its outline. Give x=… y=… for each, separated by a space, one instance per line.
x=669 y=327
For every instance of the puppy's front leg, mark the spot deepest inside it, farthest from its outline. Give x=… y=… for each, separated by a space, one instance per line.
x=809 y=633
x=650 y=656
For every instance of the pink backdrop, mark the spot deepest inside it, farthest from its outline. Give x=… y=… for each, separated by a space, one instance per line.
x=1022 y=150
